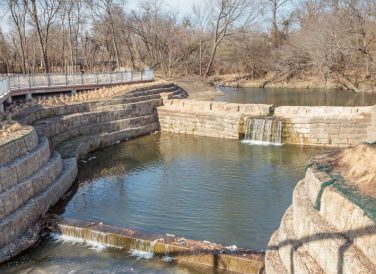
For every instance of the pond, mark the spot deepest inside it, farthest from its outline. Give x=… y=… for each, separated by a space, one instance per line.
x=203 y=188
x=296 y=97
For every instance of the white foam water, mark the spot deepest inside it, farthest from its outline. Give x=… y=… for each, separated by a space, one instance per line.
x=86 y=243
x=139 y=254
x=260 y=143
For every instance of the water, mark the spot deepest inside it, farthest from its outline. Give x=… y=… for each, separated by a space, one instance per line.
x=202 y=188
x=56 y=257
x=296 y=97
x=263 y=131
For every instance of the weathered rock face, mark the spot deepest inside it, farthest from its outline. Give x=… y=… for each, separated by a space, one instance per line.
x=330 y=228
x=38 y=164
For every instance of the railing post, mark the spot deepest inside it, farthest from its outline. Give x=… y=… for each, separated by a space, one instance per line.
x=48 y=80
x=18 y=81
x=122 y=77
x=110 y=78
x=82 y=78
x=140 y=75
x=96 y=77
x=29 y=81
x=66 y=79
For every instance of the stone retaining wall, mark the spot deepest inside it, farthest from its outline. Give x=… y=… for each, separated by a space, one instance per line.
x=371 y=130
x=17 y=144
x=336 y=237
x=214 y=119
x=324 y=126
x=318 y=126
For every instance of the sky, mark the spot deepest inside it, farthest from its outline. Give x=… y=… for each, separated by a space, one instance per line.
x=183 y=6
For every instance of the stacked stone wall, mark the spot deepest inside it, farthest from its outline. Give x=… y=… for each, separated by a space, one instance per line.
x=214 y=119
x=338 y=236
x=324 y=126
x=17 y=144
x=371 y=130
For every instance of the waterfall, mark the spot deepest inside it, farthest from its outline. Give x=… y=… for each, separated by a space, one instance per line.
x=263 y=131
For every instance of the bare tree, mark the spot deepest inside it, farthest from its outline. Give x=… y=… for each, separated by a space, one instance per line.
x=43 y=14
x=226 y=16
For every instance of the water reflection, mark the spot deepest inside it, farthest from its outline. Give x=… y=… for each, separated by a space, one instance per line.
x=296 y=97
x=201 y=188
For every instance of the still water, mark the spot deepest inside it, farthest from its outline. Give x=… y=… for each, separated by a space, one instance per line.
x=202 y=188
x=296 y=97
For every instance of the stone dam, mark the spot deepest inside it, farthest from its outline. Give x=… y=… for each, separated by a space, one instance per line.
x=38 y=164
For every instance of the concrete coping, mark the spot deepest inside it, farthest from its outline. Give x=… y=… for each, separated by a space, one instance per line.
x=193 y=105
x=318 y=111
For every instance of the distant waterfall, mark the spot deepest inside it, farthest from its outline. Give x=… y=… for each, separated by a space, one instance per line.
x=263 y=131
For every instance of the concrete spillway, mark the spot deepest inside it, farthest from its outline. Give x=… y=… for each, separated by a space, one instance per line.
x=183 y=251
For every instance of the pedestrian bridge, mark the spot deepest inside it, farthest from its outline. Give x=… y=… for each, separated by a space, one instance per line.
x=28 y=85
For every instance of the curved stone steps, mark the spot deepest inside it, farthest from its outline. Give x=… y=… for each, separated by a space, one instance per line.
x=18 y=144
x=32 y=115
x=25 y=166
x=157 y=89
x=291 y=251
x=15 y=225
x=81 y=145
x=329 y=247
x=340 y=212
x=54 y=125
x=94 y=128
x=22 y=192
x=273 y=262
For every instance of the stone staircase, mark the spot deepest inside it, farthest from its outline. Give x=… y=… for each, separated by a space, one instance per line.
x=30 y=181
x=38 y=163
x=337 y=238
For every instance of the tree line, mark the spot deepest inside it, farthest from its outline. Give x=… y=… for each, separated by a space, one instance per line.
x=327 y=39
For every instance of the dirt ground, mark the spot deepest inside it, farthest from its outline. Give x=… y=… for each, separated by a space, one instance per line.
x=197 y=87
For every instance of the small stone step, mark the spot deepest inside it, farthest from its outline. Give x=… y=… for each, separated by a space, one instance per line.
x=55 y=125
x=328 y=246
x=273 y=262
x=23 y=167
x=13 y=226
x=292 y=252
x=17 y=144
x=81 y=145
x=95 y=128
x=22 y=192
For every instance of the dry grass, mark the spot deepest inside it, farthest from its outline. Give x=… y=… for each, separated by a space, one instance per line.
x=358 y=166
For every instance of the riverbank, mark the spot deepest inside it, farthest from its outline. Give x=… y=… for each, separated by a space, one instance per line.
x=241 y=81
x=198 y=88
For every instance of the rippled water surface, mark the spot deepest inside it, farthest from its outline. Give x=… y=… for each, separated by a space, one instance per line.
x=196 y=187
x=296 y=97
x=203 y=188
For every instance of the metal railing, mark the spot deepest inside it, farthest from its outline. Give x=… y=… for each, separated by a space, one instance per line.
x=54 y=80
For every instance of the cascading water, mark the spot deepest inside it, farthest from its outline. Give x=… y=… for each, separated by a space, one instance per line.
x=263 y=131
